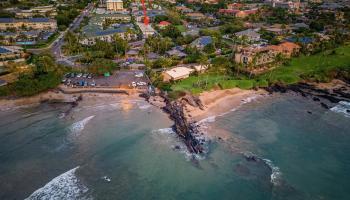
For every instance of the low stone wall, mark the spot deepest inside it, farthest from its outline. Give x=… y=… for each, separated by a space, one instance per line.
x=93 y=90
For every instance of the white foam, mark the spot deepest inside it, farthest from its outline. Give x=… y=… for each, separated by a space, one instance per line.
x=207 y=120
x=166 y=131
x=342 y=108
x=61 y=115
x=144 y=107
x=65 y=186
x=211 y=119
x=77 y=127
x=276 y=174
x=167 y=136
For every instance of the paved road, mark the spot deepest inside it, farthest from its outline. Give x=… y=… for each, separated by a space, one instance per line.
x=55 y=46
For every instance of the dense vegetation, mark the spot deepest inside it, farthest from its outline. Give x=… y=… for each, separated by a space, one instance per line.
x=46 y=74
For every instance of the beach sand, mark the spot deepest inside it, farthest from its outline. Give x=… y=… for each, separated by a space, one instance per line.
x=218 y=102
x=57 y=96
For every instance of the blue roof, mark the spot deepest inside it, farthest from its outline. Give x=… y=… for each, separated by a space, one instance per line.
x=205 y=40
x=3 y=50
x=303 y=40
x=38 y=20
x=10 y=20
x=6 y=20
x=110 y=31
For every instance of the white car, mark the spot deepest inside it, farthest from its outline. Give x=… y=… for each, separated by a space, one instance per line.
x=141 y=83
x=79 y=75
x=139 y=75
x=133 y=84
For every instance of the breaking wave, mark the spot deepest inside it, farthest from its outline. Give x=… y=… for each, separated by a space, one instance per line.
x=168 y=136
x=276 y=174
x=65 y=186
x=77 y=127
x=342 y=107
x=211 y=119
x=144 y=107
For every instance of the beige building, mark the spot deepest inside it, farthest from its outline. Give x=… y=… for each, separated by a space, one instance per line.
x=33 y=23
x=176 y=73
x=114 y=5
x=257 y=56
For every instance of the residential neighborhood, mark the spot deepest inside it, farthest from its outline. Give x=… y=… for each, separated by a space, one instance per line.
x=165 y=39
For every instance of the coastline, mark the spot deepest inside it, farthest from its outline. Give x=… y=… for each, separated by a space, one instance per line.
x=57 y=96
x=218 y=102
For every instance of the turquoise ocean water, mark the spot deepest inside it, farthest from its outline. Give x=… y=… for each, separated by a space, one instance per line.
x=113 y=151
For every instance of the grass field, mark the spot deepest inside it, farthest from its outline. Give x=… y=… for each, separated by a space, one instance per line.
x=315 y=66
x=181 y=28
x=203 y=82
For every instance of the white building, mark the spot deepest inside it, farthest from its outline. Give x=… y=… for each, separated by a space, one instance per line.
x=176 y=73
x=146 y=30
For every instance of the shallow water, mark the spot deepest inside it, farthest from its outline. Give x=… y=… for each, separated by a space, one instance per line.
x=127 y=151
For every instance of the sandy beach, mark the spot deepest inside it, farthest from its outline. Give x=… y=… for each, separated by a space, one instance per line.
x=57 y=96
x=218 y=102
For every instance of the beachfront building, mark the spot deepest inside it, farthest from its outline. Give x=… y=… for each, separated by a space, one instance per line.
x=176 y=73
x=114 y=5
x=255 y=55
x=262 y=55
x=32 y=23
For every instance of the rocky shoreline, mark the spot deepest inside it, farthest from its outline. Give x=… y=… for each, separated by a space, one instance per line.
x=188 y=131
x=327 y=97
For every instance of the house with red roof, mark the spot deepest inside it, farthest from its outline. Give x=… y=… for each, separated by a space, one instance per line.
x=163 y=24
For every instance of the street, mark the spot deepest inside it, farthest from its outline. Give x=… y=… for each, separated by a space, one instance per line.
x=56 y=45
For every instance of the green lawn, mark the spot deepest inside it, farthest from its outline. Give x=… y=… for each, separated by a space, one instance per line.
x=203 y=82
x=314 y=67
x=181 y=28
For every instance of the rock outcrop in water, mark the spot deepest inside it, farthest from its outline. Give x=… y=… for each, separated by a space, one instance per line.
x=185 y=130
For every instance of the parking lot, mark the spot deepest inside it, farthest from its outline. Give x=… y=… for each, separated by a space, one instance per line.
x=119 y=79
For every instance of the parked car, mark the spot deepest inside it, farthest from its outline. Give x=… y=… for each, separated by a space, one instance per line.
x=79 y=75
x=93 y=84
x=64 y=80
x=139 y=75
x=141 y=83
x=85 y=75
x=89 y=76
x=72 y=75
x=134 y=84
